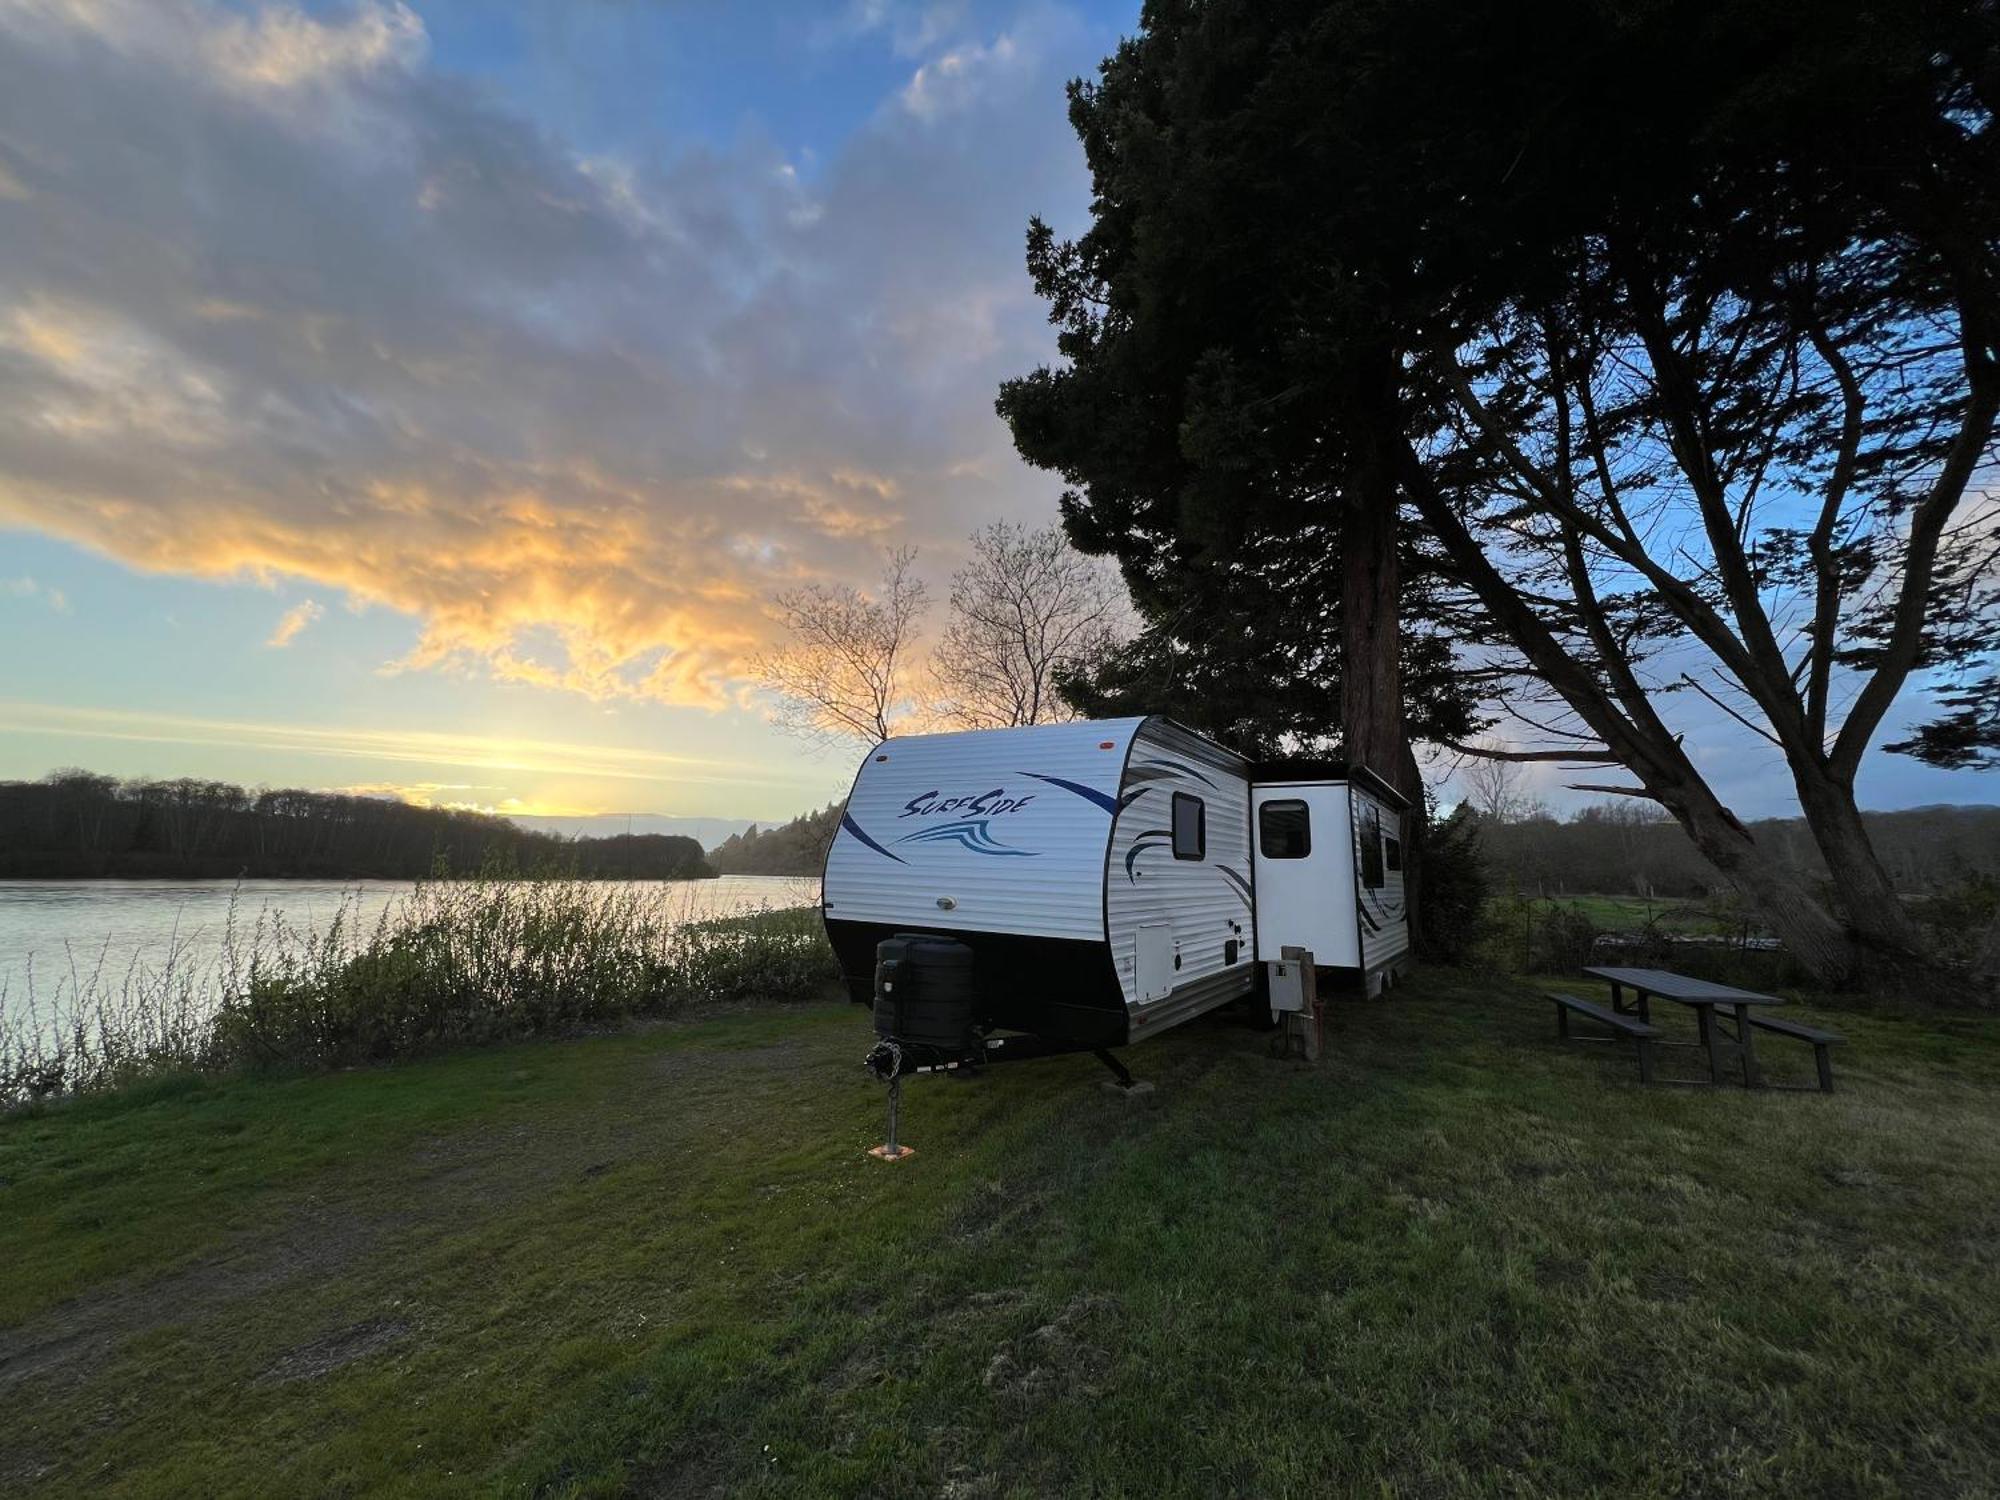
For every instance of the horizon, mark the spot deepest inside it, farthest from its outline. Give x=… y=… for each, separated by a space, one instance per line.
x=451 y=443
x=567 y=824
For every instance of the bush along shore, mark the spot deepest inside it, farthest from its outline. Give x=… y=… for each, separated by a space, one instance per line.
x=456 y=962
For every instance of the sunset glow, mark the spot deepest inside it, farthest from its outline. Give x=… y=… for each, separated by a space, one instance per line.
x=452 y=399
x=380 y=405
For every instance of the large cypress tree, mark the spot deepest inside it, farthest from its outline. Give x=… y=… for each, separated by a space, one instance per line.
x=1671 y=326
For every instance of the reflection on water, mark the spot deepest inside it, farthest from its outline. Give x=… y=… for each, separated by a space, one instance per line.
x=62 y=933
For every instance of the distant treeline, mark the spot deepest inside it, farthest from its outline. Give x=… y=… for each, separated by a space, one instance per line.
x=74 y=824
x=1610 y=850
x=1616 y=850
x=794 y=848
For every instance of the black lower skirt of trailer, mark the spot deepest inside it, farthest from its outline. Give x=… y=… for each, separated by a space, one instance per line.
x=890 y=1060
x=1061 y=988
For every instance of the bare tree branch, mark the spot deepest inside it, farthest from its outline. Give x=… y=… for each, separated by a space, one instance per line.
x=1025 y=608
x=1555 y=757
x=841 y=673
x=1749 y=724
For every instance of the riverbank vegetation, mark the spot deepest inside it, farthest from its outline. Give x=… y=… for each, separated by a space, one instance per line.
x=1454 y=1255
x=75 y=824
x=454 y=963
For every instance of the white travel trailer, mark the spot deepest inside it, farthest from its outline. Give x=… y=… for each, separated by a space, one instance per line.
x=1102 y=881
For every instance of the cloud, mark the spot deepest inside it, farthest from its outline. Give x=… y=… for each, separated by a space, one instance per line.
x=32 y=588
x=281 y=301
x=912 y=26
x=406 y=746
x=446 y=794
x=292 y=622
x=280 y=48
x=479 y=797
x=953 y=81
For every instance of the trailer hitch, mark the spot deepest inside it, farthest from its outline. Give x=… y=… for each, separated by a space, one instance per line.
x=884 y=1063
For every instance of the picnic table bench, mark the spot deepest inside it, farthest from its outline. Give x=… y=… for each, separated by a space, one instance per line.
x=1709 y=1002
x=1819 y=1037
x=1706 y=999
x=1641 y=1032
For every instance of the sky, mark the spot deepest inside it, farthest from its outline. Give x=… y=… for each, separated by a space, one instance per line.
x=429 y=398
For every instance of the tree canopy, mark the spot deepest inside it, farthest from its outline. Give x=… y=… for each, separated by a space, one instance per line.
x=795 y=848
x=1672 y=327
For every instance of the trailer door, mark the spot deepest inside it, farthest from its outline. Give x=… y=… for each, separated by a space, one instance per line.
x=1303 y=858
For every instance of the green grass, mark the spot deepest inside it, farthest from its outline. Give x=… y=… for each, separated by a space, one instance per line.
x=1455 y=1258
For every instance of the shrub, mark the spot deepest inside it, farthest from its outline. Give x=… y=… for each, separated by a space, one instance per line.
x=1504 y=933
x=455 y=962
x=1520 y=936
x=1453 y=889
x=1564 y=940
x=1957 y=919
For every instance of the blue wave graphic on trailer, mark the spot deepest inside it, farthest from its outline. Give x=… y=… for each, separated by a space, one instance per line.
x=971 y=834
x=847 y=822
x=1111 y=804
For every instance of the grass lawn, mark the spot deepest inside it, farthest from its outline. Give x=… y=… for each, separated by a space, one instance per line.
x=1456 y=1258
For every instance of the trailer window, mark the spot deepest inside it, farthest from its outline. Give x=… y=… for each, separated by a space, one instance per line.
x=1284 y=830
x=1392 y=852
x=1369 y=836
x=1190 y=827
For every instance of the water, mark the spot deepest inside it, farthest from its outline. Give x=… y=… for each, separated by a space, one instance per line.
x=112 y=928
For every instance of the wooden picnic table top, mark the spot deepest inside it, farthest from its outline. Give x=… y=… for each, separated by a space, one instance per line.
x=1670 y=986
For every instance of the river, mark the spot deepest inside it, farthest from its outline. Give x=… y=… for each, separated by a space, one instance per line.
x=56 y=935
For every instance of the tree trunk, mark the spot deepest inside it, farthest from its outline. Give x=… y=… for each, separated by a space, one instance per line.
x=1371 y=641
x=1805 y=927
x=1371 y=681
x=1808 y=931
x=1875 y=913
x=1416 y=847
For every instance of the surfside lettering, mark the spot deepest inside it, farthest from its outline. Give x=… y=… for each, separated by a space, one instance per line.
x=977 y=804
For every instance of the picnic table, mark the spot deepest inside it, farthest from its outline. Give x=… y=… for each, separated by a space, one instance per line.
x=1706 y=998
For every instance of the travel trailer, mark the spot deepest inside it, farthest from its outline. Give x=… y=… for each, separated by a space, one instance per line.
x=1076 y=887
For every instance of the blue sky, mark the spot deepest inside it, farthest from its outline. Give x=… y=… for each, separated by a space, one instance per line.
x=430 y=397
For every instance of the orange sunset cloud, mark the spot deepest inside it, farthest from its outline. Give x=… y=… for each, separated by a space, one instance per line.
x=578 y=418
